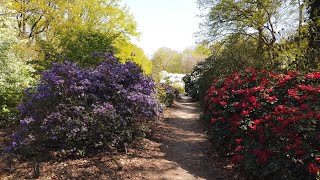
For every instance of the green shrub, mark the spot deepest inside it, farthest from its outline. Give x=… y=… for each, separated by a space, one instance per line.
x=166 y=94
x=15 y=73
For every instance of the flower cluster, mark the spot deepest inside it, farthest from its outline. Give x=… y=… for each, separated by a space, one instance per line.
x=80 y=109
x=269 y=123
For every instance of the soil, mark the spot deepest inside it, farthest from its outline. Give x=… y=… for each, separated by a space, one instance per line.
x=176 y=149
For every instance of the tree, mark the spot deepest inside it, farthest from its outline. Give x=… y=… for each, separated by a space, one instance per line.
x=301 y=7
x=168 y=60
x=36 y=18
x=254 y=18
x=15 y=72
x=192 y=56
x=141 y=59
x=314 y=16
x=73 y=30
x=314 y=30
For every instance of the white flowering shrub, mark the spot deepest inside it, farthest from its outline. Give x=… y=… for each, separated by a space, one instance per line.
x=15 y=73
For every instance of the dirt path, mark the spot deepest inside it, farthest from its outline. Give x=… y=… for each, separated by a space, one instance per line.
x=185 y=152
x=177 y=150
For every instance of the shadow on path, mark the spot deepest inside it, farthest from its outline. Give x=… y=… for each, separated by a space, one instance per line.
x=185 y=143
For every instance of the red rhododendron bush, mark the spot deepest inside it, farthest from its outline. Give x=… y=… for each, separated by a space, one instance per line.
x=268 y=123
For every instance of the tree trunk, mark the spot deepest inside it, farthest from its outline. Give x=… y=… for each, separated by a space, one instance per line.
x=260 y=49
x=301 y=6
x=260 y=45
x=314 y=39
x=314 y=12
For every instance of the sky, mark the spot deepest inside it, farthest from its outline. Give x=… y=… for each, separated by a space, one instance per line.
x=165 y=23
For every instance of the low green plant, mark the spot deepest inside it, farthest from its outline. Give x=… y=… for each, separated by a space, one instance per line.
x=166 y=94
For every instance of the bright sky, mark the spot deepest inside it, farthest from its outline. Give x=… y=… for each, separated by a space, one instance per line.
x=165 y=23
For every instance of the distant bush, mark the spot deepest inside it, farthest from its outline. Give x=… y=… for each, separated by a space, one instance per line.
x=269 y=123
x=178 y=90
x=199 y=80
x=166 y=94
x=77 y=110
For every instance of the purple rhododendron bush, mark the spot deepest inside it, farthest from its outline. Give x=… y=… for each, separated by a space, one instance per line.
x=76 y=110
x=268 y=123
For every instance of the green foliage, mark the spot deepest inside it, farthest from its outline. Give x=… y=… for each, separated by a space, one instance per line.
x=137 y=55
x=73 y=30
x=76 y=46
x=191 y=56
x=15 y=73
x=42 y=18
x=234 y=54
x=168 y=60
x=179 y=89
x=201 y=50
x=291 y=52
x=166 y=94
x=165 y=59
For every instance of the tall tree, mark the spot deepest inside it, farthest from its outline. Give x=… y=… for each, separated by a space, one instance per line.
x=15 y=72
x=301 y=7
x=314 y=30
x=254 y=18
x=74 y=29
x=314 y=16
x=192 y=56
x=35 y=17
x=138 y=56
x=166 y=59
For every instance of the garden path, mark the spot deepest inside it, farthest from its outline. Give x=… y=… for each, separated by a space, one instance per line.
x=187 y=155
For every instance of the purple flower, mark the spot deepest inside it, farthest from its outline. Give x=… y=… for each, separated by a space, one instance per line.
x=82 y=107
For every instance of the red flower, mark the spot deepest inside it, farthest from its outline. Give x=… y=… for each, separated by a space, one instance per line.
x=265 y=81
x=281 y=108
x=254 y=127
x=238 y=148
x=215 y=100
x=237 y=105
x=292 y=93
x=253 y=99
x=245 y=113
x=268 y=117
x=313 y=169
x=257 y=121
x=271 y=99
x=223 y=103
x=304 y=107
x=315 y=75
x=269 y=90
x=213 y=120
x=238 y=141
